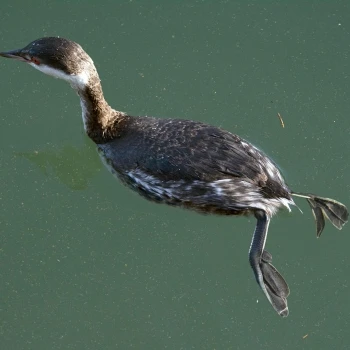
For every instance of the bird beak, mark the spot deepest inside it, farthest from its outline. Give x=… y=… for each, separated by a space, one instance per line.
x=16 y=54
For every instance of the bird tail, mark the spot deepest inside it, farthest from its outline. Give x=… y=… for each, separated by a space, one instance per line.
x=326 y=208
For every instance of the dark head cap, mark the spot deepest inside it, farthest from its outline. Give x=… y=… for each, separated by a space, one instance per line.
x=57 y=53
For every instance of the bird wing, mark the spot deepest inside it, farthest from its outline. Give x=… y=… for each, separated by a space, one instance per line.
x=188 y=150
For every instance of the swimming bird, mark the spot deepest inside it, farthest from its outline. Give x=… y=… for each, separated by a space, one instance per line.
x=182 y=162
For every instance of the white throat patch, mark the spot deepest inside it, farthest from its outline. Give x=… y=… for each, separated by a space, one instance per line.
x=78 y=81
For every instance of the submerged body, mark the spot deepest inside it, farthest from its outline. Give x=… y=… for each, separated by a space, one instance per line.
x=187 y=163
x=182 y=162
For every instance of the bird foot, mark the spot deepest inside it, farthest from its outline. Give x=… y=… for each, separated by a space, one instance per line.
x=276 y=288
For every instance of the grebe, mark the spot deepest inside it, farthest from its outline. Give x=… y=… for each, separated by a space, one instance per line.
x=182 y=162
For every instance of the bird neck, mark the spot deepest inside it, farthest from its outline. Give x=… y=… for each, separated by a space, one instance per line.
x=101 y=122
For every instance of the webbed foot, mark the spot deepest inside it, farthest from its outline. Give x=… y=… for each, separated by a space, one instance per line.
x=275 y=285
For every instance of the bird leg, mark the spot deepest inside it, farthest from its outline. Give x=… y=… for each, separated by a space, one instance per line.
x=269 y=279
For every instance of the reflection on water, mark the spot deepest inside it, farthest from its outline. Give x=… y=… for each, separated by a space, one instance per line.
x=71 y=165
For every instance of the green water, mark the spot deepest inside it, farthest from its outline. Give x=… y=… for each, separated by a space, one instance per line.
x=86 y=264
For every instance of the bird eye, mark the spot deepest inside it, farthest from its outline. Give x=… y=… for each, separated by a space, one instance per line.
x=35 y=60
x=32 y=59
